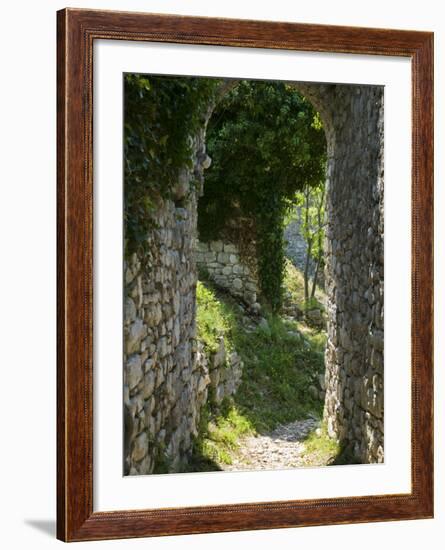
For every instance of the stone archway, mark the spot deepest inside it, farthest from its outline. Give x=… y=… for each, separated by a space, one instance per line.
x=353 y=120
x=164 y=373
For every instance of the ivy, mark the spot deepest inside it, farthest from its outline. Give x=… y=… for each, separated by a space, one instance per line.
x=266 y=142
x=160 y=115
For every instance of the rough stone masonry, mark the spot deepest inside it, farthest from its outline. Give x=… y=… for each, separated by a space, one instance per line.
x=166 y=376
x=223 y=264
x=353 y=121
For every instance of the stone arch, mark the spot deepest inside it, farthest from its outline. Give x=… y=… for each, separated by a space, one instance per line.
x=353 y=120
x=164 y=373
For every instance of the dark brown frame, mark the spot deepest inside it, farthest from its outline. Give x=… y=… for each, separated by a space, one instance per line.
x=77 y=30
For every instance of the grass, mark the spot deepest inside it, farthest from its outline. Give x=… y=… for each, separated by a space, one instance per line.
x=214 y=318
x=293 y=281
x=281 y=360
x=219 y=437
x=320 y=448
x=315 y=336
x=279 y=365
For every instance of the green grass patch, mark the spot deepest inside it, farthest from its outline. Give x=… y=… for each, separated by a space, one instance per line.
x=280 y=363
x=219 y=437
x=317 y=338
x=214 y=318
x=293 y=281
x=279 y=366
x=320 y=448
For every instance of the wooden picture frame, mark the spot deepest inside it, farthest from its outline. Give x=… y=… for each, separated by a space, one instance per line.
x=77 y=31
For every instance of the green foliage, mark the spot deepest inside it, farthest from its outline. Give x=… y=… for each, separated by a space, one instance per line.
x=214 y=318
x=294 y=283
x=279 y=366
x=311 y=202
x=219 y=436
x=160 y=115
x=311 y=211
x=321 y=448
x=266 y=142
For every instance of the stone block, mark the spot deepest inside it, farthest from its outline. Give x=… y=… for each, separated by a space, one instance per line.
x=376 y=339
x=237 y=284
x=210 y=257
x=216 y=246
x=133 y=371
x=162 y=347
x=223 y=257
x=136 y=333
x=219 y=357
x=149 y=384
x=249 y=285
x=230 y=248
x=153 y=315
x=130 y=310
x=140 y=447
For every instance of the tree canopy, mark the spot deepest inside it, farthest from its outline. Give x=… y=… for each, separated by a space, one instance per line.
x=266 y=142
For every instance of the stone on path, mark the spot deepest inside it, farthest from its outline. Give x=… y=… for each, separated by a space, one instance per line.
x=280 y=449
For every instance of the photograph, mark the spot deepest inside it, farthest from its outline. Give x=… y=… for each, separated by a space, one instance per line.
x=245 y=293
x=224 y=275
x=253 y=274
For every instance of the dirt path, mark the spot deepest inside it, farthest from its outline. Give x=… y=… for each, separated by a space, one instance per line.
x=282 y=448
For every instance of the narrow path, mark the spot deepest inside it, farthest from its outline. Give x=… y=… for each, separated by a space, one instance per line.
x=282 y=448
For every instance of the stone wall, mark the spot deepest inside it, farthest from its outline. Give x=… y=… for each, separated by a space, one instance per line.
x=224 y=265
x=167 y=376
x=225 y=371
x=353 y=120
x=296 y=246
x=165 y=380
x=164 y=384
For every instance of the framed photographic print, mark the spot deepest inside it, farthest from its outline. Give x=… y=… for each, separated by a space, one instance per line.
x=245 y=227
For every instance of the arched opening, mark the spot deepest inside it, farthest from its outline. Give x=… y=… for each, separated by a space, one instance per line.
x=167 y=380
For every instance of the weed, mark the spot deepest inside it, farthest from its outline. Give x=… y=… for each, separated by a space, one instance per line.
x=293 y=282
x=280 y=363
x=320 y=447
